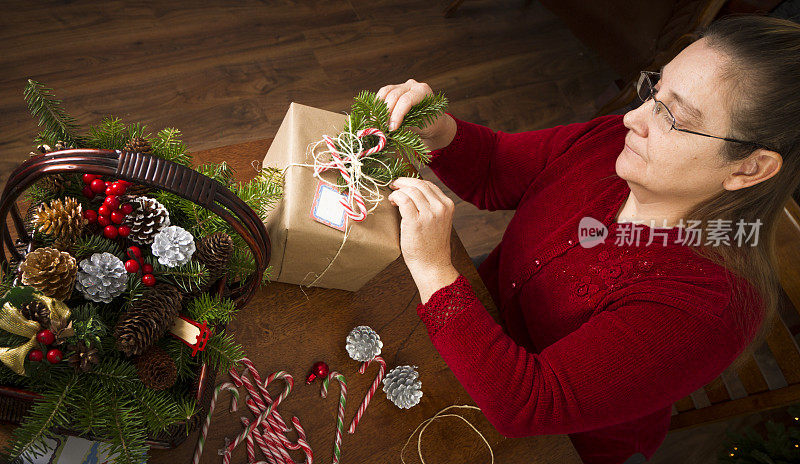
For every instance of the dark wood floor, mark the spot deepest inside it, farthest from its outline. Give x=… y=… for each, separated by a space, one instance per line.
x=225 y=72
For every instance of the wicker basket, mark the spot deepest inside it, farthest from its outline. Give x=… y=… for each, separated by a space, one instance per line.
x=153 y=172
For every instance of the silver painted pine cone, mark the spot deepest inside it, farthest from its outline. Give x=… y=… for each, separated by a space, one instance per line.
x=173 y=245
x=363 y=343
x=402 y=387
x=101 y=277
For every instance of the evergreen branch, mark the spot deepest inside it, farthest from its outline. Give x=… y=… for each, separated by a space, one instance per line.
x=263 y=192
x=87 y=245
x=168 y=145
x=220 y=172
x=110 y=134
x=409 y=145
x=185 y=363
x=88 y=325
x=56 y=124
x=426 y=111
x=44 y=417
x=213 y=309
x=158 y=408
x=7 y=277
x=189 y=277
x=126 y=431
x=222 y=352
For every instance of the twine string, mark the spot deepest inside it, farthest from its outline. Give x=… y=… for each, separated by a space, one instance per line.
x=424 y=424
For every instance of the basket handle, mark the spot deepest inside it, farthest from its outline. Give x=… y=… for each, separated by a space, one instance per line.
x=151 y=171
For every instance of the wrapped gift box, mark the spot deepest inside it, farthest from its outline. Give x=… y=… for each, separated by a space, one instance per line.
x=302 y=247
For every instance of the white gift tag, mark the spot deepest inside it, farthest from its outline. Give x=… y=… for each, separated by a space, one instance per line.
x=327 y=207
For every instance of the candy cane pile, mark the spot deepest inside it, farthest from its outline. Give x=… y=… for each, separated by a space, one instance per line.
x=272 y=439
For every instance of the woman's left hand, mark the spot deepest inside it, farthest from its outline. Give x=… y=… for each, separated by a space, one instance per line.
x=427 y=219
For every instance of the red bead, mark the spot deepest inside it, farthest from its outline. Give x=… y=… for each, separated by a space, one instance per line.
x=149 y=280
x=54 y=356
x=134 y=251
x=112 y=202
x=110 y=232
x=117 y=217
x=98 y=186
x=131 y=266
x=319 y=369
x=88 y=192
x=46 y=337
x=103 y=210
x=124 y=231
x=147 y=268
x=35 y=355
x=103 y=220
x=90 y=215
x=127 y=208
x=88 y=178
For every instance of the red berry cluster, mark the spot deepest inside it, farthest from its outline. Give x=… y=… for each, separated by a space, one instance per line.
x=111 y=213
x=46 y=338
x=135 y=264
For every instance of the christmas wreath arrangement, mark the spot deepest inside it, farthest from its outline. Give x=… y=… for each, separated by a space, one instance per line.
x=114 y=302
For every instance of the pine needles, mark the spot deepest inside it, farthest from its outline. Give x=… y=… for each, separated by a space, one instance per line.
x=56 y=124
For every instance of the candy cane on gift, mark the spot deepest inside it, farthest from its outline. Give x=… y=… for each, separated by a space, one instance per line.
x=201 y=441
x=337 y=444
x=280 y=375
x=375 y=384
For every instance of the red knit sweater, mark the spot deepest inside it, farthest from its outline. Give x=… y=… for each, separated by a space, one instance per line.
x=599 y=342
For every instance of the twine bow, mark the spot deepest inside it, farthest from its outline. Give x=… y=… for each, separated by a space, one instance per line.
x=12 y=320
x=348 y=163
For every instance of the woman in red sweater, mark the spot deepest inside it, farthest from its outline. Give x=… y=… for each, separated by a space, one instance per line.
x=637 y=266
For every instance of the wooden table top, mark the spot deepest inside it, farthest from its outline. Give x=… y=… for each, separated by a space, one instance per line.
x=288 y=328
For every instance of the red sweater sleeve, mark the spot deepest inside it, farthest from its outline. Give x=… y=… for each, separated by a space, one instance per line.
x=646 y=352
x=493 y=169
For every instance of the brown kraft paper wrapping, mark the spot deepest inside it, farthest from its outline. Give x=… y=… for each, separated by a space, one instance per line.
x=301 y=247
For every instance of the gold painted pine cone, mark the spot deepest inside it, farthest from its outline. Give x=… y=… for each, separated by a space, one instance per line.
x=50 y=271
x=63 y=220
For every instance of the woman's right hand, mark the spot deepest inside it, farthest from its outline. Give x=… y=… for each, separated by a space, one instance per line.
x=400 y=98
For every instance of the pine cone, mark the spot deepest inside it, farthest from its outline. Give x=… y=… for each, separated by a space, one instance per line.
x=402 y=387
x=62 y=220
x=138 y=145
x=50 y=271
x=84 y=358
x=156 y=369
x=146 y=220
x=36 y=311
x=102 y=277
x=214 y=252
x=173 y=245
x=363 y=344
x=148 y=319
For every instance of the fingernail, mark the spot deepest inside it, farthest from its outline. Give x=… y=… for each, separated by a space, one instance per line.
x=392 y=125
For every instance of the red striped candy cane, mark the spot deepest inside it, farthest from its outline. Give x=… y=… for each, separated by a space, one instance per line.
x=372 y=389
x=280 y=375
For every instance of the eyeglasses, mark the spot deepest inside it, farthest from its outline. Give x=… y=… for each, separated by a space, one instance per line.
x=645 y=88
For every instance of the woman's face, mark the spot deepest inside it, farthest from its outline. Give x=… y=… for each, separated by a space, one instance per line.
x=676 y=166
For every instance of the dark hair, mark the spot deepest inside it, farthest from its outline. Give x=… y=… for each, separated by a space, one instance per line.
x=762 y=81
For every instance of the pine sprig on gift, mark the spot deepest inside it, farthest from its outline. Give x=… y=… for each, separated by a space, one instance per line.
x=86 y=245
x=221 y=352
x=213 y=309
x=54 y=122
